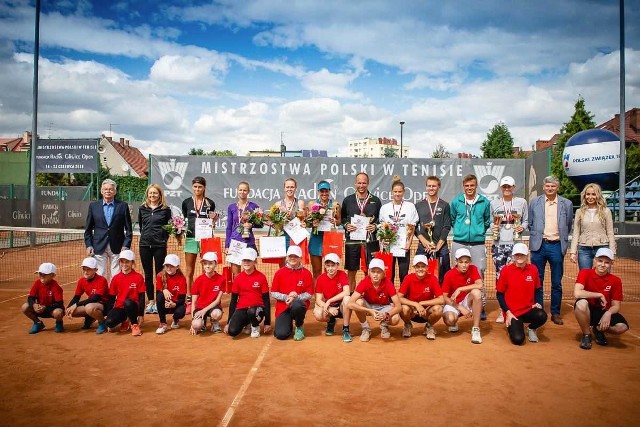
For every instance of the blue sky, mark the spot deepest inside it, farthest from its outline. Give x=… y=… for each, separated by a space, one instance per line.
x=236 y=74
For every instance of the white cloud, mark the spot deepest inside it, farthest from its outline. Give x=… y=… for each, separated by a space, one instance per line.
x=324 y=83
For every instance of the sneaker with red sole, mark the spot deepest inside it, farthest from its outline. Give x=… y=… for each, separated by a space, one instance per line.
x=124 y=326
x=135 y=330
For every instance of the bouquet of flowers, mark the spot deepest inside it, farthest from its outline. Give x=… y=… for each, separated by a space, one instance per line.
x=316 y=214
x=277 y=217
x=254 y=217
x=176 y=227
x=387 y=235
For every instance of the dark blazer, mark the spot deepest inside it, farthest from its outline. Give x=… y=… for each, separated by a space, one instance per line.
x=97 y=234
x=536 y=222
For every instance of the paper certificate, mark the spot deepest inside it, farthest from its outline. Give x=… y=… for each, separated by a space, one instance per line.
x=295 y=230
x=234 y=255
x=325 y=224
x=360 y=222
x=397 y=248
x=203 y=229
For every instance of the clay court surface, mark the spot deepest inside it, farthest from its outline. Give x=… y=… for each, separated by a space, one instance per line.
x=80 y=378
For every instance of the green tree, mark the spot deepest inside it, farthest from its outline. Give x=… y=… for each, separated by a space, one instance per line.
x=580 y=120
x=441 y=152
x=633 y=162
x=389 y=152
x=219 y=153
x=498 y=144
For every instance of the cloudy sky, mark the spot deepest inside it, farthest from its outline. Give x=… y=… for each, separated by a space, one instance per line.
x=241 y=75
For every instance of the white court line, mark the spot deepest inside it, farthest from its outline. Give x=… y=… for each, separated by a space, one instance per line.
x=245 y=385
x=22 y=296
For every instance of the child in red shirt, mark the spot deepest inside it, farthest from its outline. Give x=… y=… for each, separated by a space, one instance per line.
x=206 y=296
x=332 y=297
x=97 y=290
x=44 y=299
x=127 y=293
x=171 y=293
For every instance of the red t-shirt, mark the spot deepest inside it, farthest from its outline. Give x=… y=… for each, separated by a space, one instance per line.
x=608 y=285
x=250 y=288
x=453 y=280
x=330 y=287
x=287 y=280
x=519 y=287
x=127 y=286
x=97 y=286
x=380 y=295
x=46 y=294
x=207 y=289
x=176 y=284
x=417 y=290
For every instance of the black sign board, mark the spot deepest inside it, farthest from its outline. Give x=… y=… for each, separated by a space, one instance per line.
x=67 y=155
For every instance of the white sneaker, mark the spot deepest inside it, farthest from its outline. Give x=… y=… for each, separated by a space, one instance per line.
x=215 y=327
x=161 y=329
x=454 y=328
x=175 y=324
x=384 y=331
x=255 y=331
x=500 y=318
x=533 y=337
x=475 y=335
x=365 y=335
x=149 y=308
x=247 y=330
x=406 y=331
x=429 y=332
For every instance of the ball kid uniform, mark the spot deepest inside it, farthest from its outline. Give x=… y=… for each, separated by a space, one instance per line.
x=207 y=289
x=332 y=286
x=285 y=281
x=453 y=280
x=377 y=298
x=250 y=302
x=127 y=298
x=49 y=295
x=608 y=285
x=416 y=289
x=177 y=285
x=96 y=289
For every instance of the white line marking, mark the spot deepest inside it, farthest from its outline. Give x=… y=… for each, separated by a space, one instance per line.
x=245 y=385
x=22 y=296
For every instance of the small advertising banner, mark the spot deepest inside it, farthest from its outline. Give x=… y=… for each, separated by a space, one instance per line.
x=67 y=155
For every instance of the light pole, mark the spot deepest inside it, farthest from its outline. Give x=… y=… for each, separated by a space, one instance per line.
x=401 y=125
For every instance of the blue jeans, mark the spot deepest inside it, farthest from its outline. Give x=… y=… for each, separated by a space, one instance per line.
x=551 y=253
x=586 y=254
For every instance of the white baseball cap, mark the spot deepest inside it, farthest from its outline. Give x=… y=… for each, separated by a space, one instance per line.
x=507 y=180
x=376 y=263
x=128 y=254
x=210 y=256
x=420 y=259
x=89 y=262
x=172 y=259
x=294 y=250
x=47 y=268
x=520 y=248
x=605 y=252
x=462 y=252
x=332 y=257
x=250 y=254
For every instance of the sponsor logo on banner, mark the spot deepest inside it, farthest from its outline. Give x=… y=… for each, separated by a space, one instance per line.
x=489 y=177
x=172 y=175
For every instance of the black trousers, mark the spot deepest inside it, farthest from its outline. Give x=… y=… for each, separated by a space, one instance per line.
x=403 y=267
x=150 y=255
x=244 y=316
x=119 y=315
x=179 y=311
x=284 y=326
x=535 y=317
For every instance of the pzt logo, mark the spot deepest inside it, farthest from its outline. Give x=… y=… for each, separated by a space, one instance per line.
x=172 y=173
x=489 y=177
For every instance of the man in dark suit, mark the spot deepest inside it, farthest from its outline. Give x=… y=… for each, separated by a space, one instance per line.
x=550 y=222
x=108 y=229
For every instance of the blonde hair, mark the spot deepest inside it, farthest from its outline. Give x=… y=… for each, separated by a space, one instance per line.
x=162 y=203
x=397 y=182
x=601 y=204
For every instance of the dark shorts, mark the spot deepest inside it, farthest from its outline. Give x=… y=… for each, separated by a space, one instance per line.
x=352 y=252
x=208 y=312
x=48 y=312
x=419 y=319
x=596 y=314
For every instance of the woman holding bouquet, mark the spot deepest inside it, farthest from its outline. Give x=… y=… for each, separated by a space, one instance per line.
x=291 y=207
x=323 y=214
x=153 y=215
x=242 y=217
x=404 y=216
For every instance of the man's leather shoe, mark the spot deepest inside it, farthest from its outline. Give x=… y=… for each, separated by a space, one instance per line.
x=555 y=318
